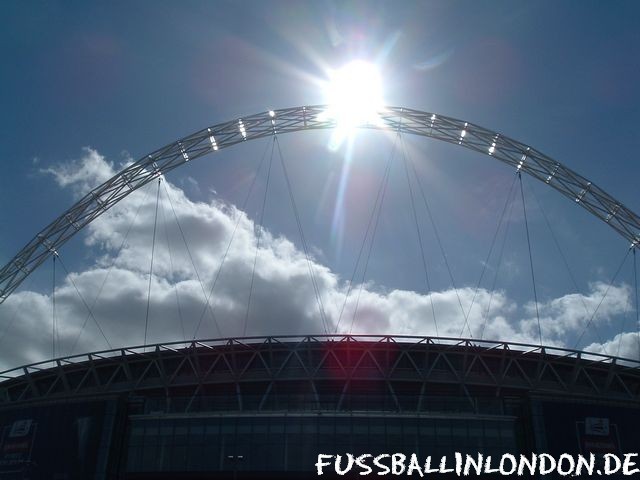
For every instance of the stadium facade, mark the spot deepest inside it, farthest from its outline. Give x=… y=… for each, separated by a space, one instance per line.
x=256 y=407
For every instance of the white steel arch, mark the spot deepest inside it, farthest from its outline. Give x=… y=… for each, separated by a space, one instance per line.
x=405 y=120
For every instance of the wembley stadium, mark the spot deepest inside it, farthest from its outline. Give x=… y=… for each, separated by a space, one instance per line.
x=256 y=407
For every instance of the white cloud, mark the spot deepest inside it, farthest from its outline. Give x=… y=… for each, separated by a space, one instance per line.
x=571 y=313
x=283 y=299
x=626 y=345
x=87 y=172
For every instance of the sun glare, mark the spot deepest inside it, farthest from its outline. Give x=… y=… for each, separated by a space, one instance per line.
x=354 y=97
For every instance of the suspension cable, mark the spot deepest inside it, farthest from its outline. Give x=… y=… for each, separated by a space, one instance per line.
x=233 y=234
x=113 y=263
x=70 y=278
x=533 y=278
x=8 y=325
x=564 y=259
x=624 y=320
x=153 y=247
x=175 y=285
x=193 y=264
x=510 y=203
x=493 y=242
x=53 y=307
x=258 y=239
x=419 y=236
x=316 y=288
x=593 y=315
x=366 y=234
x=387 y=174
x=440 y=246
x=635 y=281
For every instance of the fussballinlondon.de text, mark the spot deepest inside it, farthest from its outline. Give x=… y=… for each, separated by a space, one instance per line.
x=463 y=465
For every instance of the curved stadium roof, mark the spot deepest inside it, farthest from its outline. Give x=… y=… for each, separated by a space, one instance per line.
x=398 y=373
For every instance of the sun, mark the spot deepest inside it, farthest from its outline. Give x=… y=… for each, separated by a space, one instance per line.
x=354 y=97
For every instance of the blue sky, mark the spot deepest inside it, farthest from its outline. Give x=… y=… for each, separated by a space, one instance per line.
x=124 y=78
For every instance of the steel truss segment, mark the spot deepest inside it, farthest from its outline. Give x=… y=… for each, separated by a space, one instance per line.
x=244 y=363
x=405 y=120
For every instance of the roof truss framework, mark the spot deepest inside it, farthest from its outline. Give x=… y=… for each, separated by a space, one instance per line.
x=392 y=365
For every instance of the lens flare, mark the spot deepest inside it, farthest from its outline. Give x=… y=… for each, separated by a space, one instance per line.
x=354 y=98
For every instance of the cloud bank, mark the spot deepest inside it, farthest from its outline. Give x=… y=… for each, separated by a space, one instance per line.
x=193 y=237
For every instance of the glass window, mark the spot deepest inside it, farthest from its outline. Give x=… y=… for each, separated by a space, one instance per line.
x=293 y=424
x=212 y=428
x=166 y=429
x=377 y=426
x=491 y=430
x=443 y=428
x=204 y=444
x=360 y=426
x=134 y=457
x=151 y=429
x=343 y=426
x=325 y=426
x=507 y=430
x=243 y=445
x=359 y=444
x=427 y=427
x=149 y=459
x=409 y=426
x=474 y=428
x=309 y=426
x=227 y=425
x=261 y=425
x=244 y=425
x=276 y=426
x=164 y=454
x=394 y=443
x=196 y=428
x=275 y=455
x=179 y=458
x=459 y=429
x=393 y=427
x=195 y=458
x=137 y=435
x=211 y=456
x=181 y=434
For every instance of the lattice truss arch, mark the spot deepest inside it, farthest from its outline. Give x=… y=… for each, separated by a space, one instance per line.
x=512 y=152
